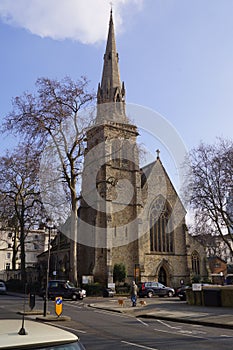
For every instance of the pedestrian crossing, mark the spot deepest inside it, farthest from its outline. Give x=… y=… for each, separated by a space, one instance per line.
x=77 y=303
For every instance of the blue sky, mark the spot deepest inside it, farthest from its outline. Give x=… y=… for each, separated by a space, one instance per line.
x=176 y=56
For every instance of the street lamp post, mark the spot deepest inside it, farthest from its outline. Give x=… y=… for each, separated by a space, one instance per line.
x=49 y=226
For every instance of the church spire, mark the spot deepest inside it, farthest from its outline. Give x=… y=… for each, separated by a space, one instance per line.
x=111 y=90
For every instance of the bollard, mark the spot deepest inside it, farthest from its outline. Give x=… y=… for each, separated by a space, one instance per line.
x=32 y=301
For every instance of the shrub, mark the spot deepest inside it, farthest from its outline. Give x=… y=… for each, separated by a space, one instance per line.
x=119 y=273
x=124 y=289
x=94 y=289
x=15 y=285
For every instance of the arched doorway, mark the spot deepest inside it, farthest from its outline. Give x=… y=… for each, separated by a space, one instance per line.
x=162 y=277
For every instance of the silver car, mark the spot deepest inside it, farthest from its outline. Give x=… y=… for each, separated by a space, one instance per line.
x=2 y=288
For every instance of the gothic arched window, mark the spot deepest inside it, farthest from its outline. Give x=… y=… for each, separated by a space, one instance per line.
x=195 y=263
x=161 y=234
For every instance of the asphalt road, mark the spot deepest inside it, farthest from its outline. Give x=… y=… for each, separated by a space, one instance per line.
x=104 y=330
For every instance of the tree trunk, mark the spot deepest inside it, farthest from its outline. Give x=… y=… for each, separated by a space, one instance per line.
x=15 y=250
x=73 y=273
x=22 y=254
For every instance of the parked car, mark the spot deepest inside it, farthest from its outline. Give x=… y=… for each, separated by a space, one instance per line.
x=84 y=293
x=108 y=292
x=181 y=292
x=64 y=289
x=36 y=335
x=2 y=288
x=150 y=289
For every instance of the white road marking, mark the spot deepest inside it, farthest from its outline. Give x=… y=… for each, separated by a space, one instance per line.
x=144 y=323
x=199 y=332
x=180 y=330
x=185 y=331
x=72 y=329
x=167 y=325
x=138 y=345
x=225 y=336
x=178 y=333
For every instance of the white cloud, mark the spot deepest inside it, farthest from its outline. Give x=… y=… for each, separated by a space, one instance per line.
x=81 y=20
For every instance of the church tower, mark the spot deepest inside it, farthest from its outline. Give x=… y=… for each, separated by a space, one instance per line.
x=128 y=215
x=111 y=185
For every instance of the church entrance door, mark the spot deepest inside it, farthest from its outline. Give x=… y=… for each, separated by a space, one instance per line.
x=162 y=276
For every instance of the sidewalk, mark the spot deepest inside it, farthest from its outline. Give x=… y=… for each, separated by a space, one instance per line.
x=171 y=310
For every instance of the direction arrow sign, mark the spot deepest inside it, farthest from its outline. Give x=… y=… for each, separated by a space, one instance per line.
x=58 y=306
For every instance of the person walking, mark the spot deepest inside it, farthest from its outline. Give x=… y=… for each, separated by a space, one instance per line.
x=133 y=293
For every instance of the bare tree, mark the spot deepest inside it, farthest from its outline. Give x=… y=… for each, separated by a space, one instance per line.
x=210 y=183
x=53 y=119
x=20 y=198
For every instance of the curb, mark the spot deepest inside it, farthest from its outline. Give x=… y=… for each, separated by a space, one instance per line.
x=120 y=311
x=53 y=318
x=31 y=312
x=189 y=321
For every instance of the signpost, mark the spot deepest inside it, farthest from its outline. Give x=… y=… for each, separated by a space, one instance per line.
x=58 y=306
x=112 y=285
x=196 y=287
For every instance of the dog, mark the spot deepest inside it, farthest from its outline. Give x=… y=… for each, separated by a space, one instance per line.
x=142 y=302
x=121 y=302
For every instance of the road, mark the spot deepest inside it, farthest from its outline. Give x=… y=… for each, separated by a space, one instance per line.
x=104 y=330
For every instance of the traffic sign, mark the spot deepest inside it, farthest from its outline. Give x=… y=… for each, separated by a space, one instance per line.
x=58 y=306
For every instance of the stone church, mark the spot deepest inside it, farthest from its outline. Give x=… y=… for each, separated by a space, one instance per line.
x=129 y=215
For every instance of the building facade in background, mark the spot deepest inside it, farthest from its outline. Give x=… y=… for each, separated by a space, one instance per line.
x=36 y=242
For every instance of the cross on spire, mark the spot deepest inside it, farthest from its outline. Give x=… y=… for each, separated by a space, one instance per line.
x=111 y=5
